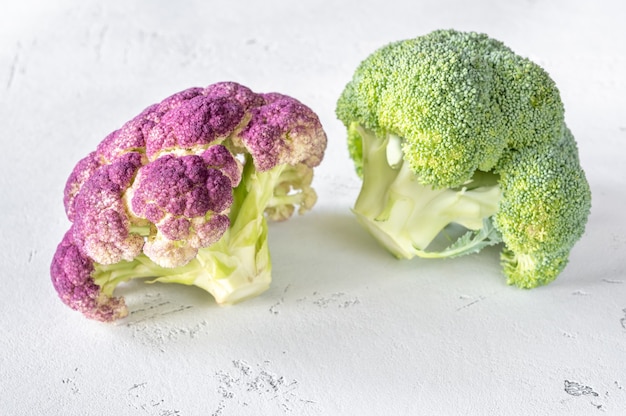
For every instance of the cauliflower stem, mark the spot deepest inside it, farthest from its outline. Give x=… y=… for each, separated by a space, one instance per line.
x=238 y=265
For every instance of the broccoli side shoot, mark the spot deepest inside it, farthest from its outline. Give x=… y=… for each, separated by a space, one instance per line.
x=182 y=194
x=461 y=144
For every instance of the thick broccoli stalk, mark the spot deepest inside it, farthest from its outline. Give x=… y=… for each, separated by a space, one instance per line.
x=462 y=144
x=182 y=194
x=407 y=216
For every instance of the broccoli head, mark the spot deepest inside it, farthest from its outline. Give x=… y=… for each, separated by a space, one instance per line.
x=182 y=193
x=460 y=144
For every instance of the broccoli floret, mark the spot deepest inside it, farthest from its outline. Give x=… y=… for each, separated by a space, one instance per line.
x=462 y=144
x=182 y=194
x=544 y=209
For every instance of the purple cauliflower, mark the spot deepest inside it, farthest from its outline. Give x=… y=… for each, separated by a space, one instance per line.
x=182 y=193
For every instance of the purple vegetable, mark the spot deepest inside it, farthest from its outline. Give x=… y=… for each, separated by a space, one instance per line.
x=181 y=194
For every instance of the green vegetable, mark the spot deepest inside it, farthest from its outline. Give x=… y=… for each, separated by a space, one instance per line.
x=462 y=144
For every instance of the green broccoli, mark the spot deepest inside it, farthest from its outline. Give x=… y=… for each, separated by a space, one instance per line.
x=462 y=144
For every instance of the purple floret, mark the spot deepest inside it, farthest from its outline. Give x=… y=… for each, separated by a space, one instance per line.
x=180 y=186
x=283 y=131
x=199 y=117
x=177 y=99
x=82 y=171
x=183 y=196
x=197 y=122
x=234 y=92
x=219 y=157
x=130 y=137
x=101 y=222
x=71 y=273
x=133 y=135
x=163 y=183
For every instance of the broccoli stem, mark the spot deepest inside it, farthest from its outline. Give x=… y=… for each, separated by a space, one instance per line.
x=406 y=216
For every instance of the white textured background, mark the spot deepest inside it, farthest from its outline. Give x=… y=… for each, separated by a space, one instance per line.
x=345 y=329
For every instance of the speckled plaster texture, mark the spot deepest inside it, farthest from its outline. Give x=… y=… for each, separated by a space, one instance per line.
x=345 y=329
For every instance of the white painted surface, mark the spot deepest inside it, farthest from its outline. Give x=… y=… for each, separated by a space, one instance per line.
x=345 y=329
